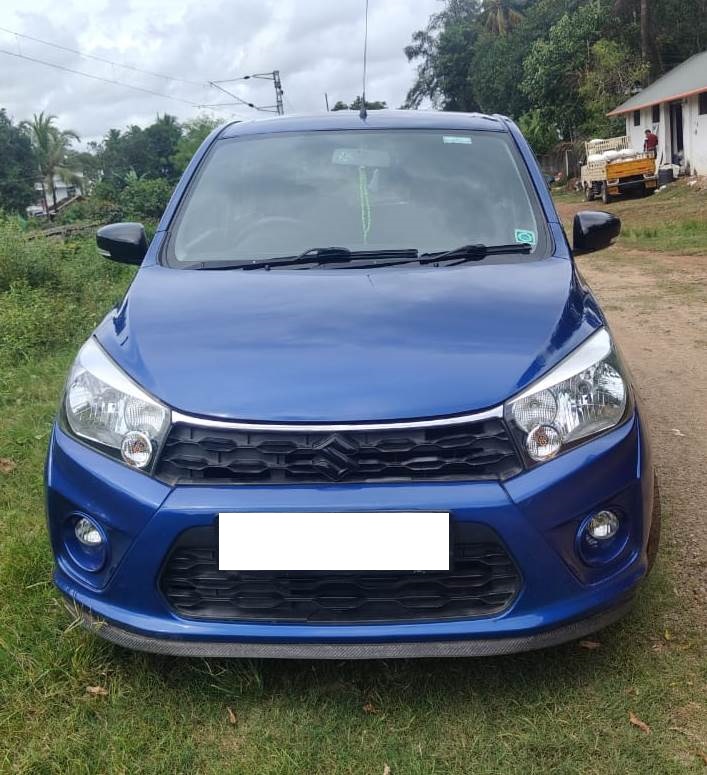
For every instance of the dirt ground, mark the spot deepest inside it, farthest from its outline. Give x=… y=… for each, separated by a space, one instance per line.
x=657 y=307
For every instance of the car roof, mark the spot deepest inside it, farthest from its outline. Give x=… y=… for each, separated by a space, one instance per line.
x=376 y=119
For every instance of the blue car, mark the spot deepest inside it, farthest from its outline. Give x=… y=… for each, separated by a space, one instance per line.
x=357 y=402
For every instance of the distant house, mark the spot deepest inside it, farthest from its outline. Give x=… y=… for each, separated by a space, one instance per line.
x=65 y=192
x=675 y=108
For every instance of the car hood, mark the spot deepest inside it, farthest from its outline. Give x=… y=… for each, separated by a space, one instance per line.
x=347 y=345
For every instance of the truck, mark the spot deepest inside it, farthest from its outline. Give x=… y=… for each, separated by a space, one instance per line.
x=612 y=167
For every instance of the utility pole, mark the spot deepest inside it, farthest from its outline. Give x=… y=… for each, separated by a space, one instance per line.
x=278 y=93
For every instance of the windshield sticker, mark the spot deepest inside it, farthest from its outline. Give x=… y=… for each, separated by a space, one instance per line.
x=456 y=139
x=525 y=235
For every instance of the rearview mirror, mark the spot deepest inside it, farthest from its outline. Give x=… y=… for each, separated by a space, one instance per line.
x=123 y=242
x=594 y=230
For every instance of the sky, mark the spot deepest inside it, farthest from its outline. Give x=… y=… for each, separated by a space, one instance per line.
x=315 y=44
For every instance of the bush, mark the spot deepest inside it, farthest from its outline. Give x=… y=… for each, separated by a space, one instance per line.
x=144 y=199
x=52 y=292
x=91 y=210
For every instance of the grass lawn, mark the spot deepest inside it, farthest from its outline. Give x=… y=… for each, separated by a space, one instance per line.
x=566 y=710
x=672 y=221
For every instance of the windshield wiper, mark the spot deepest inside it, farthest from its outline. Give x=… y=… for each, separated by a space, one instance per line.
x=318 y=256
x=478 y=252
x=383 y=257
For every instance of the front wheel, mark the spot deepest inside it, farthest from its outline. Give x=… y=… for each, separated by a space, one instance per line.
x=589 y=193
x=605 y=196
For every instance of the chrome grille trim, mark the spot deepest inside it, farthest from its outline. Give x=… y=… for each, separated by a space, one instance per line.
x=180 y=417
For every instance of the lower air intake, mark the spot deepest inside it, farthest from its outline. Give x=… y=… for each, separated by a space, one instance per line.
x=483 y=581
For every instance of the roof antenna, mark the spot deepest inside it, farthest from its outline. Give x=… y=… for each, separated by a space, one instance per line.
x=363 y=113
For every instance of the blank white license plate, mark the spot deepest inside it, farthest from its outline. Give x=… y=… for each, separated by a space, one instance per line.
x=334 y=541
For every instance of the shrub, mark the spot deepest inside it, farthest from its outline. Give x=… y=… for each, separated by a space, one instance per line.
x=145 y=199
x=25 y=261
x=52 y=292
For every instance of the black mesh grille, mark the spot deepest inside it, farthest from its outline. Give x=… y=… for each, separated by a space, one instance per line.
x=478 y=450
x=483 y=580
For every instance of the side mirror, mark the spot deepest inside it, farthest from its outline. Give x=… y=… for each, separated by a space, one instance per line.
x=123 y=242
x=594 y=230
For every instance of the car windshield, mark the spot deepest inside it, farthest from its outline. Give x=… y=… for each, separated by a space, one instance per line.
x=281 y=194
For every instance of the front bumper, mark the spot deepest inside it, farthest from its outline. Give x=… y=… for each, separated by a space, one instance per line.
x=536 y=515
x=476 y=647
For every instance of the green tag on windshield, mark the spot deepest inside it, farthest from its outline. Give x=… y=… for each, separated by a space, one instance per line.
x=525 y=235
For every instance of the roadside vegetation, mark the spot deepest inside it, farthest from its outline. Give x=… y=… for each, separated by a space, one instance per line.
x=629 y=700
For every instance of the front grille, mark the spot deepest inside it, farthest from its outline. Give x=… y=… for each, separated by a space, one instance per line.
x=467 y=451
x=483 y=581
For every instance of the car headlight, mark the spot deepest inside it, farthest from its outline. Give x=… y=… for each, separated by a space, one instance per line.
x=105 y=408
x=584 y=395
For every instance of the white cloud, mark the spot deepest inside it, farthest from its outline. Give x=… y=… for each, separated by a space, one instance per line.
x=316 y=45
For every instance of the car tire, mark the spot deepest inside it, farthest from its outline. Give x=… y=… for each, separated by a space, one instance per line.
x=654 y=534
x=605 y=196
x=589 y=193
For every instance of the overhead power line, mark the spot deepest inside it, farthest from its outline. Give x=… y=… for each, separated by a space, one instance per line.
x=115 y=82
x=101 y=59
x=235 y=96
x=272 y=76
x=98 y=77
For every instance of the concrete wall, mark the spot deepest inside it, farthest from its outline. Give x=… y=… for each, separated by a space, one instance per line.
x=694 y=133
x=637 y=133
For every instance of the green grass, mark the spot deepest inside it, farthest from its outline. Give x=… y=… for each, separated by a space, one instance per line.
x=670 y=221
x=686 y=236
x=564 y=710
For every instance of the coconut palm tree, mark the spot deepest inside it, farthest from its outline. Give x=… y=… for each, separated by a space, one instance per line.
x=502 y=15
x=51 y=145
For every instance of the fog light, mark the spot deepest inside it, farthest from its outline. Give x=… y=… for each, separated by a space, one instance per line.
x=136 y=449
x=87 y=533
x=543 y=442
x=603 y=525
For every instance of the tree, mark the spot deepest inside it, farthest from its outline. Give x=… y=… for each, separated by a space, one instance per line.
x=496 y=72
x=356 y=105
x=194 y=133
x=51 y=147
x=17 y=166
x=88 y=163
x=162 y=138
x=630 y=10
x=444 y=50
x=552 y=71
x=150 y=152
x=502 y=16
x=541 y=135
x=558 y=66
x=613 y=74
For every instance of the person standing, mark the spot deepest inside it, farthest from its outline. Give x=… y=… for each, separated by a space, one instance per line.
x=650 y=144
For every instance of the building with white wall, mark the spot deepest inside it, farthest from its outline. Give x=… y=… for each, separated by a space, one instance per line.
x=675 y=108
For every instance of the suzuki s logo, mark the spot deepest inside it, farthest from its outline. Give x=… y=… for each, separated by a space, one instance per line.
x=335 y=456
